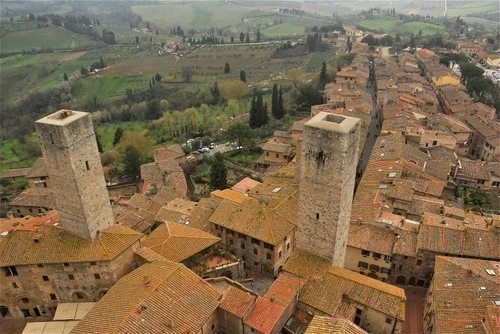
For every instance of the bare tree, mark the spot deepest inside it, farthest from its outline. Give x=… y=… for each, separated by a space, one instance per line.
x=187 y=73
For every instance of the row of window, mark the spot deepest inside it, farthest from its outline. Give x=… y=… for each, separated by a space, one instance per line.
x=376 y=256
x=256 y=251
x=374 y=267
x=12 y=271
x=46 y=279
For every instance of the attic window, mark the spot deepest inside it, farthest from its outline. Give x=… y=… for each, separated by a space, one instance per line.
x=497 y=302
x=482 y=288
x=392 y=174
x=275 y=190
x=491 y=272
x=382 y=186
x=449 y=284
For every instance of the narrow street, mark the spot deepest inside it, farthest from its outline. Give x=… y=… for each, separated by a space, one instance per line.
x=374 y=128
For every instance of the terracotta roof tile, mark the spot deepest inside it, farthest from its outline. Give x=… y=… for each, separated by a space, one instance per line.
x=231 y=195
x=237 y=301
x=284 y=289
x=156 y=297
x=402 y=190
x=305 y=264
x=474 y=170
x=266 y=316
x=457 y=289
x=429 y=187
x=421 y=204
x=168 y=152
x=245 y=185
x=336 y=325
x=35 y=197
x=326 y=293
x=56 y=245
x=178 y=242
x=38 y=169
x=447 y=235
x=406 y=243
x=372 y=238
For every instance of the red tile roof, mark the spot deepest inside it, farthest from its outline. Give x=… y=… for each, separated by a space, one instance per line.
x=266 y=316
x=237 y=302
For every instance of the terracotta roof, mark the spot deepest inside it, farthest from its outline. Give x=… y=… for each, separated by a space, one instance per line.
x=421 y=204
x=231 y=195
x=266 y=316
x=389 y=146
x=245 y=185
x=492 y=319
x=348 y=74
x=154 y=298
x=425 y=53
x=458 y=290
x=15 y=172
x=269 y=222
x=164 y=196
x=305 y=264
x=442 y=153
x=178 y=242
x=38 y=169
x=472 y=170
x=429 y=187
x=406 y=243
x=35 y=197
x=131 y=218
x=453 y=212
x=284 y=289
x=332 y=325
x=149 y=255
x=447 y=235
x=168 y=152
x=484 y=127
x=372 y=238
x=56 y=245
x=237 y=302
x=326 y=293
x=454 y=124
x=402 y=190
x=275 y=146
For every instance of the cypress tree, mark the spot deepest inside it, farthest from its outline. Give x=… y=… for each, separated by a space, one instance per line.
x=218 y=173
x=322 y=76
x=281 y=106
x=275 y=103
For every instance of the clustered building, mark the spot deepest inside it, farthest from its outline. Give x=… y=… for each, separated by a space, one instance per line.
x=157 y=262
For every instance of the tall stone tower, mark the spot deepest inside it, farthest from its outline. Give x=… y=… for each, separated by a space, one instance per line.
x=328 y=161
x=70 y=151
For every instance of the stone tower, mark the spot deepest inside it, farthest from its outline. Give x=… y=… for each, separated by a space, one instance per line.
x=70 y=151
x=328 y=161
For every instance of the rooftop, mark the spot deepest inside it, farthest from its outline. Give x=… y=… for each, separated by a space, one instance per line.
x=332 y=325
x=143 y=295
x=265 y=316
x=237 y=301
x=372 y=238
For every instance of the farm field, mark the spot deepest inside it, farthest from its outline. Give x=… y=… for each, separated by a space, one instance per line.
x=284 y=29
x=13 y=155
x=52 y=37
x=382 y=25
x=395 y=25
x=103 y=88
x=457 y=8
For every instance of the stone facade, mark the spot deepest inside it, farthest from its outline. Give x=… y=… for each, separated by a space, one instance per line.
x=327 y=173
x=70 y=149
x=35 y=290
x=372 y=264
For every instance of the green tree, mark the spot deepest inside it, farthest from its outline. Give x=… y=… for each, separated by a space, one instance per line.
x=242 y=37
x=258 y=112
x=187 y=73
x=153 y=109
x=305 y=96
x=227 y=69
x=218 y=173
x=243 y=76
x=65 y=77
x=98 y=141
x=322 y=77
x=275 y=102
x=281 y=104
x=241 y=132
x=258 y=36
x=118 y=135
x=215 y=93
x=131 y=162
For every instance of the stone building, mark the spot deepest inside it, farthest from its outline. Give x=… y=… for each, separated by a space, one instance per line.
x=70 y=149
x=327 y=171
x=79 y=256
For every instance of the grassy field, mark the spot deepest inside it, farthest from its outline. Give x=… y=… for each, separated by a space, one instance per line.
x=106 y=132
x=395 y=25
x=284 y=29
x=13 y=155
x=191 y=15
x=103 y=87
x=426 y=28
x=472 y=7
x=47 y=38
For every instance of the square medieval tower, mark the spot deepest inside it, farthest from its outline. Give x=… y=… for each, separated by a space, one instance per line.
x=327 y=170
x=70 y=150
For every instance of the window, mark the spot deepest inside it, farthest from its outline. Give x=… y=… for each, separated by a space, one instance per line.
x=376 y=256
x=242 y=236
x=53 y=296
x=400 y=267
x=256 y=263
x=434 y=142
x=231 y=242
x=230 y=232
x=79 y=295
x=388 y=321
x=87 y=165
x=279 y=254
x=256 y=251
x=317 y=216
x=385 y=270
x=419 y=262
x=268 y=246
x=242 y=246
x=26 y=313
x=362 y=264
x=71 y=277
x=365 y=252
x=387 y=258
x=14 y=285
x=268 y=256
x=287 y=246
x=10 y=271
x=405 y=257
x=267 y=154
x=358 y=311
x=97 y=276
x=25 y=300
x=45 y=278
x=256 y=241
x=277 y=155
x=374 y=267
x=66 y=264
x=40 y=265
x=93 y=263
